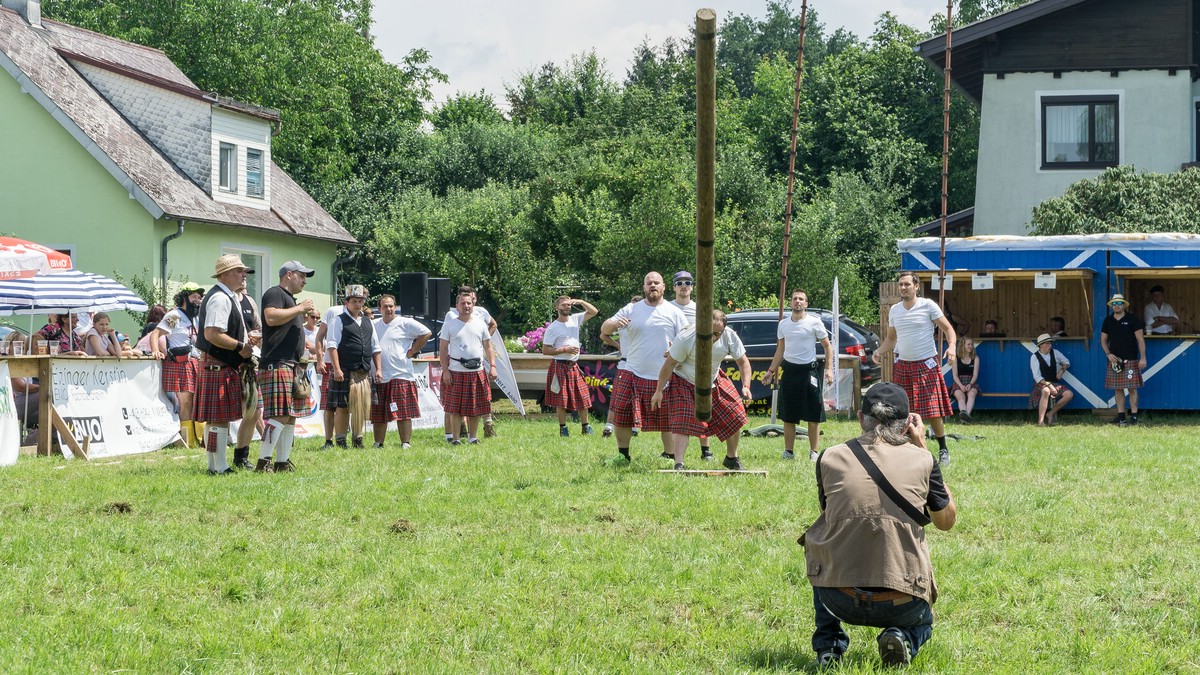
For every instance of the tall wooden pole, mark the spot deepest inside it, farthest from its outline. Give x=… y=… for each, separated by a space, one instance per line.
x=945 y=160
x=791 y=182
x=706 y=188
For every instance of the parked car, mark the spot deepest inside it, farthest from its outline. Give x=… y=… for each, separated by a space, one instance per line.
x=757 y=329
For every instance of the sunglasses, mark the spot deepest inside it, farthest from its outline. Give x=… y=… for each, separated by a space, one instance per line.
x=685 y=282
x=1117 y=304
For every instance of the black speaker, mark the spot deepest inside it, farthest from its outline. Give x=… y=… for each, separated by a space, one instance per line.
x=440 y=297
x=411 y=289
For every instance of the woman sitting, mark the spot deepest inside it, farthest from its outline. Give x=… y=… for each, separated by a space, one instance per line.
x=102 y=338
x=966 y=377
x=1048 y=365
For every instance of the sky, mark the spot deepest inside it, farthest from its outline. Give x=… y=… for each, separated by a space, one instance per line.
x=482 y=44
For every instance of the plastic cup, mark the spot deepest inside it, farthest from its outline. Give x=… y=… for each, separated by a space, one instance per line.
x=54 y=348
x=43 y=347
x=18 y=348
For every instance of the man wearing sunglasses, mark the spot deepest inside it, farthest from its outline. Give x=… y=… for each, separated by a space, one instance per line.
x=684 y=284
x=1123 y=339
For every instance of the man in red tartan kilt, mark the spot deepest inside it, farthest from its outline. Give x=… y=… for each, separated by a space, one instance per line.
x=647 y=328
x=400 y=340
x=565 y=387
x=468 y=367
x=912 y=324
x=227 y=344
x=678 y=378
x=181 y=361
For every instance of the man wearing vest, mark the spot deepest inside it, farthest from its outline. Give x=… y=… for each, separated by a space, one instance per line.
x=877 y=493
x=281 y=375
x=1049 y=393
x=353 y=351
x=226 y=344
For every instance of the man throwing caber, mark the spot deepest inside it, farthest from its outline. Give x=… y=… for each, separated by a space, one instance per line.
x=282 y=378
x=565 y=387
x=647 y=328
x=678 y=378
x=912 y=325
x=866 y=554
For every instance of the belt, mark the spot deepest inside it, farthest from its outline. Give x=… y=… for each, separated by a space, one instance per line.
x=895 y=597
x=278 y=364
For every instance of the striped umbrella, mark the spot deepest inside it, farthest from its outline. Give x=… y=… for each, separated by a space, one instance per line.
x=64 y=292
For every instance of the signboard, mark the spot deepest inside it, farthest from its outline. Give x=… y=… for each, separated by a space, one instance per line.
x=313 y=424
x=10 y=424
x=982 y=281
x=1045 y=280
x=118 y=405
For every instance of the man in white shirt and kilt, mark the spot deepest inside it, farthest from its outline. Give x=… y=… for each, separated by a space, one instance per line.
x=566 y=390
x=226 y=344
x=468 y=368
x=355 y=354
x=400 y=340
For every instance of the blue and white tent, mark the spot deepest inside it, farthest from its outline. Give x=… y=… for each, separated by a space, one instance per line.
x=64 y=292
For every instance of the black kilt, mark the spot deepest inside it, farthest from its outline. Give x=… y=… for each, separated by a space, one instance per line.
x=799 y=400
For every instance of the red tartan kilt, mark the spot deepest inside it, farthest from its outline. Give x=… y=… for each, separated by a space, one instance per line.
x=468 y=393
x=630 y=404
x=1035 y=396
x=180 y=376
x=925 y=386
x=401 y=392
x=728 y=413
x=573 y=389
x=1121 y=380
x=275 y=394
x=218 y=393
x=326 y=402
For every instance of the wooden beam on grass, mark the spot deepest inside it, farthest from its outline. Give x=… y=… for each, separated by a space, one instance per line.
x=717 y=472
x=64 y=432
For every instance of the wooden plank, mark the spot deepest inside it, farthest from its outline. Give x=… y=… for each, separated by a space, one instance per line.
x=65 y=433
x=716 y=472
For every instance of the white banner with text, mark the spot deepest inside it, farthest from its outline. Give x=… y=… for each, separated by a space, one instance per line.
x=118 y=404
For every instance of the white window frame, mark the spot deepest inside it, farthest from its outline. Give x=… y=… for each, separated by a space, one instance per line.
x=262 y=176
x=227 y=180
x=263 y=275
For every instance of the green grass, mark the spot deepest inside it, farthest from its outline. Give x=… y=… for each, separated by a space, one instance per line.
x=1076 y=551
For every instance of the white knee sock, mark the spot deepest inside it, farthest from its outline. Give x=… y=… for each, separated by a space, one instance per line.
x=270 y=438
x=283 y=445
x=214 y=445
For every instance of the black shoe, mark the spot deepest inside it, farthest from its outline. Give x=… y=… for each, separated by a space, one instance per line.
x=944 y=458
x=358 y=442
x=214 y=472
x=732 y=463
x=705 y=454
x=241 y=459
x=828 y=658
x=456 y=442
x=679 y=466
x=328 y=445
x=1119 y=420
x=667 y=455
x=1133 y=420
x=893 y=649
x=341 y=443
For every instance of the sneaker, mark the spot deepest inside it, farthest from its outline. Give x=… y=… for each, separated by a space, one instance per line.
x=328 y=444
x=893 y=648
x=587 y=430
x=732 y=463
x=489 y=429
x=264 y=466
x=474 y=441
x=456 y=442
x=341 y=443
x=635 y=431
x=965 y=417
x=787 y=454
x=828 y=658
x=608 y=431
x=357 y=443
x=1132 y=421
x=562 y=431
x=376 y=445
x=213 y=472
x=944 y=458
x=706 y=454
x=405 y=446
x=679 y=466
x=667 y=455
x=813 y=455
x=284 y=467
x=1119 y=420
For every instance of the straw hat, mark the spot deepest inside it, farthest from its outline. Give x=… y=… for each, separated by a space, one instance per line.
x=1044 y=338
x=230 y=261
x=1117 y=299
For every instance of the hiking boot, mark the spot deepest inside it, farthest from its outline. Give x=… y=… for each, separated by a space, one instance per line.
x=264 y=466
x=587 y=430
x=357 y=443
x=944 y=457
x=562 y=431
x=893 y=648
x=705 y=454
x=489 y=429
x=828 y=658
x=732 y=463
x=787 y=454
x=608 y=431
x=679 y=466
x=284 y=467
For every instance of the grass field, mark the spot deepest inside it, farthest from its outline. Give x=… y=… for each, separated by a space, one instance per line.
x=1075 y=552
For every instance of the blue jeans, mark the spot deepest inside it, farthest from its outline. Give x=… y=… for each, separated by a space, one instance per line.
x=914 y=619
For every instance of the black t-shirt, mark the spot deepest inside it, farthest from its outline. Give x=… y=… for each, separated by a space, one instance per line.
x=281 y=343
x=1121 y=339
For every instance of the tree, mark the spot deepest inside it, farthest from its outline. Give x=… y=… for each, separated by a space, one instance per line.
x=1123 y=200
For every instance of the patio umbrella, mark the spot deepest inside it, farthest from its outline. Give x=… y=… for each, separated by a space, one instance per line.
x=20 y=258
x=66 y=292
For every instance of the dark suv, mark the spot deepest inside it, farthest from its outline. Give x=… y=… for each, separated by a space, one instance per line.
x=757 y=329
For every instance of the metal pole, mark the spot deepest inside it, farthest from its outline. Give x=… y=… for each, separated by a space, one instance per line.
x=706 y=188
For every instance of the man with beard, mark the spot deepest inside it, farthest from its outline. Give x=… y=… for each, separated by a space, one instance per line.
x=468 y=367
x=226 y=343
x=912 y=325
x=181 y=360
x=647 y=328
x=353 y=351
x=400 y=341
x=489 y=426
x=565 y=387
x=280 y=370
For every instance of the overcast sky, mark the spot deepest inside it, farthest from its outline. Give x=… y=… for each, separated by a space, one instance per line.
x=481 y=44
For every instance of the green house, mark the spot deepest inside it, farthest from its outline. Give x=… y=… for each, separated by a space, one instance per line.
x=110 y=153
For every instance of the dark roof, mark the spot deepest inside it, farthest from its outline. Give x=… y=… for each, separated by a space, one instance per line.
x=958 y=224
x=42 y=66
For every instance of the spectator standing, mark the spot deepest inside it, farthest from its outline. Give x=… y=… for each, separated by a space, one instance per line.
x=1124 y=345
x=566 y=390
x=179 y=329
x=1049 y=393
x=468 y=366
x=400 y=340
x=489 y=425
x=283 y=384
x=355 y=355
x=801 y=396
x=614 y=341
x=324 y=367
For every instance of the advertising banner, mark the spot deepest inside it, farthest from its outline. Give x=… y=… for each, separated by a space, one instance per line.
x=118 y=405
x=10 y=425
x=313 y=424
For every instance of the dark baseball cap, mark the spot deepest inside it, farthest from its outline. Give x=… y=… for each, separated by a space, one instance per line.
x=295 y=266
x=888 y=394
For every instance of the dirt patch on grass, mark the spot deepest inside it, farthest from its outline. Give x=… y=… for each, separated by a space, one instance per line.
x=403 y=527
x=118 y=507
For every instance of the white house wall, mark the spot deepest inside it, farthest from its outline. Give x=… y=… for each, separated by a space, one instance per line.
x=242 y=131
x=1155 y=134
x=178 y=125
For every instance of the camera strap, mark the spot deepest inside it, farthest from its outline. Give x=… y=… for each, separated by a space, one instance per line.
x=876 y=475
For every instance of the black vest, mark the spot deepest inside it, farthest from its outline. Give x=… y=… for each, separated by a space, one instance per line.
x=233 y=329
x=1049 y=370
x=354 y=349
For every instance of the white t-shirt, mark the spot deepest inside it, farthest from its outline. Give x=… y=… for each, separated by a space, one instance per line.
x=333 y=335
x=564 y=334
x=330 y=314
x=683 y=350
x=180 y=329
x=689 y=311
x=465 y=341
x=1060 y=362
x=476 y=313
x=395 y=339
x=1153 y=313
x=915 y=329
x=310 y=338
x=645 y=340
x=800 y=338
